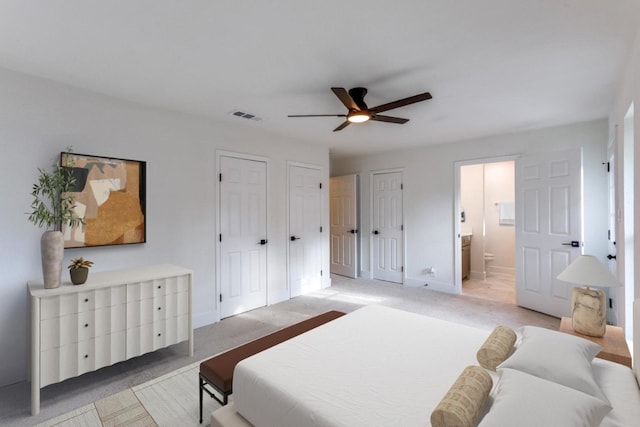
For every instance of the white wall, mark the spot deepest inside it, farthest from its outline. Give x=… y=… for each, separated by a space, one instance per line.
x=38 y=119
x=627 y=93
x=430 y=216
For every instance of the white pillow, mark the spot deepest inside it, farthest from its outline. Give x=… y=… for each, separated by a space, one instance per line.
x=525 y=400
x=555 y=356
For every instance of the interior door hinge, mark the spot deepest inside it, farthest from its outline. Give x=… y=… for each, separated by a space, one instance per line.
x=321 y=186
x=402 y=186
x=220 y=177
x=402 y=269
x=608 y=234
x=320 y=272
x=401 y=227
x=608 y=166
x=321 y=229
x=220 y=297
x=220 y=237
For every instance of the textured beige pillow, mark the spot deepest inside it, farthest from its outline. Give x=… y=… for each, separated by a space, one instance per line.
x=465 y=399
x=496 y=348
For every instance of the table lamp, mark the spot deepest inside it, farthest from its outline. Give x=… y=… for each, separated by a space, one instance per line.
x=589 y=307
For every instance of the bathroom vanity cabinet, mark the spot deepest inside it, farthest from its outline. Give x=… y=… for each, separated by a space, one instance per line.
x=466 y=256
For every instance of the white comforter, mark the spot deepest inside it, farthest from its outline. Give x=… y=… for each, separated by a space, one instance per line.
x=380 y=366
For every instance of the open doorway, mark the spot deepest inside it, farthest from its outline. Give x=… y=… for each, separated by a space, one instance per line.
x=487 y=230
x=628 y=246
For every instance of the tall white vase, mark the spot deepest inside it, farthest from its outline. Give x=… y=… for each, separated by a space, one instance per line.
x=52 y=254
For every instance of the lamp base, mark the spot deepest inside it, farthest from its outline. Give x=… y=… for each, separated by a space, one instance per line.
x=589 y=312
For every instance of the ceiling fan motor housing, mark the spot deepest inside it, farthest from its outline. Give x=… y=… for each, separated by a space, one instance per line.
x=358 y=94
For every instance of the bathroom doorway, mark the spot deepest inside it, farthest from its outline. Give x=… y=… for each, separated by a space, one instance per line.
x=487 y=230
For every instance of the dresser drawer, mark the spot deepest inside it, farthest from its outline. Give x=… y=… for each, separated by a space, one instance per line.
x=74 y=359
x=139 y=291
x=177 y=284
x=159 y=307
x=62 y=305
x=171 y=305
x=63 y=330
x=152 y=336
x=154 y=288
x=102 y=351
x=143 y=312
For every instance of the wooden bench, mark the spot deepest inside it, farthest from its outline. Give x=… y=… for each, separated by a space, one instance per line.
x=217 y=371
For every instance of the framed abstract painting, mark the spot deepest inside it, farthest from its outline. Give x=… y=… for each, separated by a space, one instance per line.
x=110 y=197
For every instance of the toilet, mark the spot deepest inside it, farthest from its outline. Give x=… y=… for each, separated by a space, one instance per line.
x=488 y=257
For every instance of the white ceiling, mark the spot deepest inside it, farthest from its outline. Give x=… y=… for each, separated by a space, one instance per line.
x=492 y=66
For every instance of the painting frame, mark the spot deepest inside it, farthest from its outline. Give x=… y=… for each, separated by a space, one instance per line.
x=110 y=197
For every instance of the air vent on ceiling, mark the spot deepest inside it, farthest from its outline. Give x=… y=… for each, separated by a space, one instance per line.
x=245 y=115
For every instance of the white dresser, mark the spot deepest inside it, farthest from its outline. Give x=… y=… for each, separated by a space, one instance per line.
x=114 y=316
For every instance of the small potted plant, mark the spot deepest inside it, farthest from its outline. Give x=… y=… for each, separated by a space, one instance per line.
x=79 y=270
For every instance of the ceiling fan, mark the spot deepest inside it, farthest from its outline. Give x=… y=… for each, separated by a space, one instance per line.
x=358 y=110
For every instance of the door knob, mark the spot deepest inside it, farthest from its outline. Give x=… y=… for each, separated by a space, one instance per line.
x=294 y=238
x=376 y=232
x=353 y=231
x=611 y=256
x=263 y=242
x=573 y=244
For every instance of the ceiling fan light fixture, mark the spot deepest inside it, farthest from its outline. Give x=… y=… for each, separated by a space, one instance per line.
x=359 y=117
x=358 y=112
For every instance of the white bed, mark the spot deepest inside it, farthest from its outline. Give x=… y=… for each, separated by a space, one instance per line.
x=385 y=367
x=378 y=366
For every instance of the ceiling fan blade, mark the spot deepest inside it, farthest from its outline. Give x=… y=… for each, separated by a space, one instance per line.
x=342 y=126
x=400 y=103
x=389 y=119
x=345 y=98
x=317 y=115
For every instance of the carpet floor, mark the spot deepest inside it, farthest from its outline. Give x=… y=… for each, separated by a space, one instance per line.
x=133 y=390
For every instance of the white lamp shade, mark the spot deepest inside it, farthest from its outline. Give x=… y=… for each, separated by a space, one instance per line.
x=587 y=270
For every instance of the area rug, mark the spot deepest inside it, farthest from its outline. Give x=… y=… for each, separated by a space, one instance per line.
x=123 y=409
x=169 y=400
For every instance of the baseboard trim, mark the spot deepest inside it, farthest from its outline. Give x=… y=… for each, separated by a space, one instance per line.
x=204 y=319
x=501 y=270
x=430 y=284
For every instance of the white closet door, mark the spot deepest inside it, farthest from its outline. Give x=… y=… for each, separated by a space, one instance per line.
x=344 y=228
x=387 y=229
x=243 y=235
x=305 y=230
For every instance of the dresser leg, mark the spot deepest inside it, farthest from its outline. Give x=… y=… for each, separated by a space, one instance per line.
x=35 y=355
x=35 y=399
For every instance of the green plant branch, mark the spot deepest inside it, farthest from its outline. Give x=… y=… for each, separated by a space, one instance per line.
x=53 y=203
